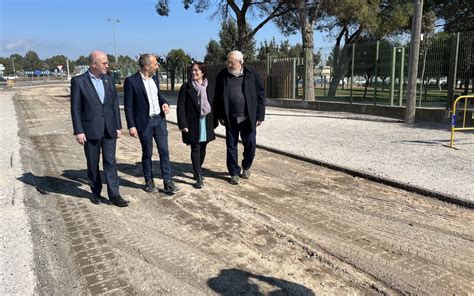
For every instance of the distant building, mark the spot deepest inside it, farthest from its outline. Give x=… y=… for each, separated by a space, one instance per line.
x=78 y=70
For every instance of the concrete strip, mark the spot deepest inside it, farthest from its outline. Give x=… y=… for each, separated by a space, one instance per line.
x=16 y=249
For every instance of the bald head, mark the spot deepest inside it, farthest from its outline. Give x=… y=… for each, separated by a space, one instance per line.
x=99 y=64
x=96 y=54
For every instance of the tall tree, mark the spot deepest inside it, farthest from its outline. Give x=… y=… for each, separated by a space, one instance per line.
x=228 y=38
x=12 y=64
x=53 y=62
x=82 y=61
x=18 y=61
x=307 y=14
x=457 y=15
x=176 y=60
x=214 y=53
x=302 y=16
x=265 y=10
x=350 y=20
x=32 y=61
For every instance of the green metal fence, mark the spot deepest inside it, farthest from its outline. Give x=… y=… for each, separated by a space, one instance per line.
x=376 y=72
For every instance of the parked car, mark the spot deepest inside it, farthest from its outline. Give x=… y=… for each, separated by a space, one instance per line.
x=360 y=82
x=11 y=77
x=3 y=81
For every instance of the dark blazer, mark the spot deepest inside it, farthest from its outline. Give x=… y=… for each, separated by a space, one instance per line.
x=137 y=108
x=89 y=115
x=253 y=92
x=189 y=112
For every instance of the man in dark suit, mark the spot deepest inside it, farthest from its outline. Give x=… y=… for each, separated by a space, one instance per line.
x=145 y=110
x=240 y=106
x=96 y=121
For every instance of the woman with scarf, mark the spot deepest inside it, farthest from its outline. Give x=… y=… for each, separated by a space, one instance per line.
x=195 y=119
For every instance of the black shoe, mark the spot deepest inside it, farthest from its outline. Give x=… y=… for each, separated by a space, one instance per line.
x=170 y=187
x=199 y=182
x=95 y=199
x=150 y=186
x=118 y=201
x=234 y=180
x=195 y=177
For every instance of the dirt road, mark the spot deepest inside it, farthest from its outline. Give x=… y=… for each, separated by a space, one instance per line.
x=292 y=229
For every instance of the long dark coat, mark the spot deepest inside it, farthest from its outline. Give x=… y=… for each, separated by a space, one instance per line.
x=253 y=91
x=189 y=112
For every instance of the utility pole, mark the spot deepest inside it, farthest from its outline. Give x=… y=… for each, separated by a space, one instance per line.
x=413 y=62
x=13 y=63
x=113 y=21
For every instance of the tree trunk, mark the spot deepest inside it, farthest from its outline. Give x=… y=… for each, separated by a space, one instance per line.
x=306 y=25
x=172 y=78
x=413 y=62
x=340 y=67
x=242 y=32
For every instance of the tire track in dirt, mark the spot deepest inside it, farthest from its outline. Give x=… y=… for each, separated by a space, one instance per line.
x=88 y=246
x=293 y=226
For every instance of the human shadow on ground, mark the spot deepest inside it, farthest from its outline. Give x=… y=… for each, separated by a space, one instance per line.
x=231 y=282
x=69 y=183
x=48 y=184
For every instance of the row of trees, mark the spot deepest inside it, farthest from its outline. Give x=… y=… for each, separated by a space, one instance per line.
x=31 y=61
x=173 y=62
x=346 y=21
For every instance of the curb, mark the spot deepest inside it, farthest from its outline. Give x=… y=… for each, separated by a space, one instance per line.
x=355 y=173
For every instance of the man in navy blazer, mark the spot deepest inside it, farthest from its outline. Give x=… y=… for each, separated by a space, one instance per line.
x=96 y=122
x=145 y=110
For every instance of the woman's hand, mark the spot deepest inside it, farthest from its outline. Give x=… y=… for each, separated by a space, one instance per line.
x=185 y=130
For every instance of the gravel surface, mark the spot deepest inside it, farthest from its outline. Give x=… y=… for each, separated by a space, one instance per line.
x=16 y=250
x=382 y=147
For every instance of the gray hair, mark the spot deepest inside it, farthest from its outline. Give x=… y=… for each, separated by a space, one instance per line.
x=145 y=59
x=237 y=54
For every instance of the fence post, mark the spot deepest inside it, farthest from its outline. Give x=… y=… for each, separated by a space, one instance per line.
x=294 y=85
x=377 y=47
x=392 y=75
x=352 y=72
x=453 y=67
x=402 y=69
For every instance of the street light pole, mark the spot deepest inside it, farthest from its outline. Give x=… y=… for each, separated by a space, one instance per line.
x=13 y=63
x=113 y=20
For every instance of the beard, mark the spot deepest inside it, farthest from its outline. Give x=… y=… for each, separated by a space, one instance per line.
x=234 y=71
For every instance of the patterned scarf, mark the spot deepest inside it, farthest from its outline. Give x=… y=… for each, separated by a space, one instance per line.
x=202 y=94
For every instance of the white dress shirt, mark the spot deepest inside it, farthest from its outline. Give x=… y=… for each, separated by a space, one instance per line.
x=152 y=94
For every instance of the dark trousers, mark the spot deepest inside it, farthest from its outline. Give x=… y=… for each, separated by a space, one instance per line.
x=198 y=153
x=157 y=130
x=92 y=150
x=248 y=136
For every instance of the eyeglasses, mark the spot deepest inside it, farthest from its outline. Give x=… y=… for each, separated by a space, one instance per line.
x=233 y=62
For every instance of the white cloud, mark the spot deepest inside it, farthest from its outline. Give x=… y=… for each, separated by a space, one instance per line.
x=18 y=45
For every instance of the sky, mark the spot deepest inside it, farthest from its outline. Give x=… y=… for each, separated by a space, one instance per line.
x=77 y=27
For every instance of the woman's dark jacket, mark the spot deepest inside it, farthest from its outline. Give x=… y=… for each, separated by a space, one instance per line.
x=189 y=112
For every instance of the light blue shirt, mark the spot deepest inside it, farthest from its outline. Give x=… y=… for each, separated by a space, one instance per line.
x=202 y=129
x=98 y=85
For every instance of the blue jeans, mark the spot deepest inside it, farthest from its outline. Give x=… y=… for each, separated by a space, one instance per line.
x=157 y=130
x=248 y=136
